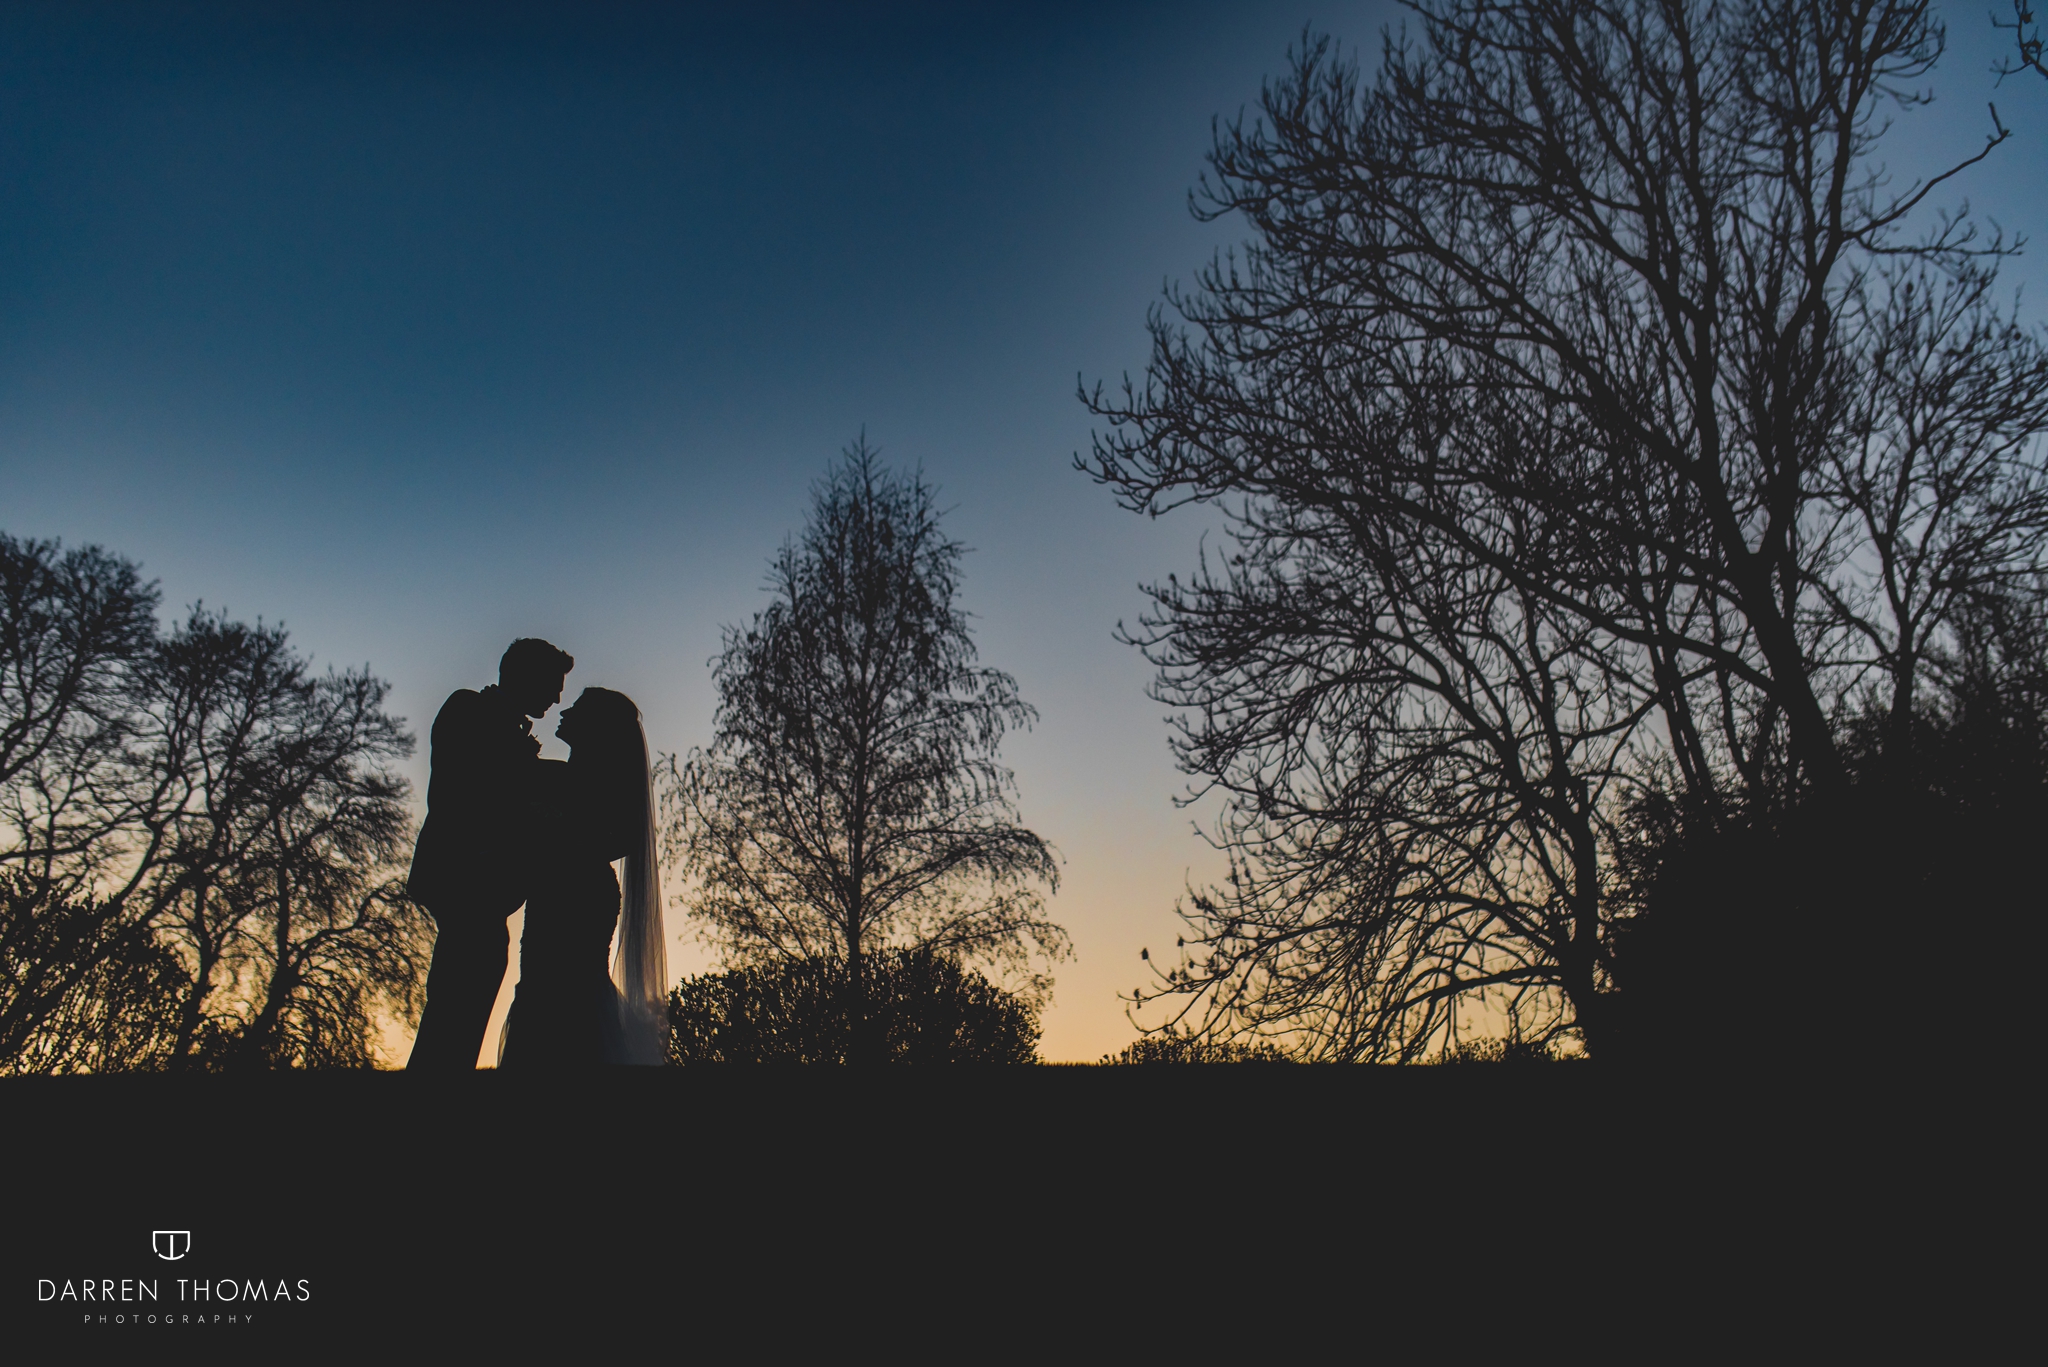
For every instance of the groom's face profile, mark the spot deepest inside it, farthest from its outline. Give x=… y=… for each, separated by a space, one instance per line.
x=535 y=694
x=531 y=672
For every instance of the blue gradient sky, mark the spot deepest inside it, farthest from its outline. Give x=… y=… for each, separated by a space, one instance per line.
x=423 y=327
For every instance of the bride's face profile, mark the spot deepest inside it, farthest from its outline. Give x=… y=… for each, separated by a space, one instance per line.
x=602 y=724
x=568 y=728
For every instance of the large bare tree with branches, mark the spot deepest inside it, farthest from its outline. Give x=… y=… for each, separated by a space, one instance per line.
x=1593 y=417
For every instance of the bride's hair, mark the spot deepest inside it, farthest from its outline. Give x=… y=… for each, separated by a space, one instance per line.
x=615 y=744
x=608 y=712
x=612 y=737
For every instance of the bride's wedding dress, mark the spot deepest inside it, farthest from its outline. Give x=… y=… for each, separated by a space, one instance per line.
x=592 y=982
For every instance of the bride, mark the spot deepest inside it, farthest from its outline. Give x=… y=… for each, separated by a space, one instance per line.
x=568 y=1011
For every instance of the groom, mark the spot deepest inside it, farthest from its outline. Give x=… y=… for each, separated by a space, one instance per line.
x=467 y=868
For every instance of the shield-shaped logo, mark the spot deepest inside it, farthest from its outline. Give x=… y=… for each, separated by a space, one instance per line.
x=171 y=1244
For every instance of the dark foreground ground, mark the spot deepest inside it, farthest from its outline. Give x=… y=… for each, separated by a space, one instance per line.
x=722 y=1214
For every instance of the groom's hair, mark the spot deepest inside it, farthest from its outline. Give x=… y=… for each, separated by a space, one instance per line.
x=529 y=657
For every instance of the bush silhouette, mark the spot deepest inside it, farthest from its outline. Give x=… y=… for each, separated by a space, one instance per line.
x=1168 y=1047
x=1753 y=929
x=1514 y=1051
x=922 y=1007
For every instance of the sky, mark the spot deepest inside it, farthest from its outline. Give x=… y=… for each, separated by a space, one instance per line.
x=421 y=327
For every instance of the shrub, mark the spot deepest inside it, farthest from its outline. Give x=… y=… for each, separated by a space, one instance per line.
x=1168 y=1047
x=1516 y=1051
x=920 y=1007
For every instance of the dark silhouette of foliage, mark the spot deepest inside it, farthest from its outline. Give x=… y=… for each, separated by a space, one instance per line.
x=1588 y=428
x=1511 y=1052
x=1923 y=868
x=851 y=799
x=200 y=836
x=1169 y=1046
x=921 y=1007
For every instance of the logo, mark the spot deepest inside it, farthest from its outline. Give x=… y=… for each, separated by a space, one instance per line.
x=190 y=1299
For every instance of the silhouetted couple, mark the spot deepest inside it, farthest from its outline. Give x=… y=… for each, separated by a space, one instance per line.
x=506 y=827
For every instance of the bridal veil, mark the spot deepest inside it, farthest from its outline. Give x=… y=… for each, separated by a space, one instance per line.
x=640 y=958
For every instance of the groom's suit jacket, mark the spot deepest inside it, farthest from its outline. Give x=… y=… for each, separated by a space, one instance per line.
x=470 y=860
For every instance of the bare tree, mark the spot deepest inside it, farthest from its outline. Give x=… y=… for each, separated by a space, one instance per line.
x=1600 y=326
x=280 y=881
x=69 y=623
x=1421 y=763
x=201 y=836
x=73 y=625
x=851 y=799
